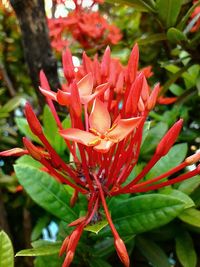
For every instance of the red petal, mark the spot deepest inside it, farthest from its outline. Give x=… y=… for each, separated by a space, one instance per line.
x=85 y=85
x=99 y=90
x=78 y=136
x=133 y=64
x=124 y=127
x=153 y=97
x=43 y=81
x=63 y=98
x=105 y=64
x=14 y=152
x=104 y=146
x=48 y=94
x=99 y=118
x=68 y=66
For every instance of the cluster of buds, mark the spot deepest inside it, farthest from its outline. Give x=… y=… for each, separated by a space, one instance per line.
x=87 y=27
x=196 y=17
x=108 y=105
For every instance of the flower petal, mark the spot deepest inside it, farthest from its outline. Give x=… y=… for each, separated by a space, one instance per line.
x=63 y=98
x=124 y=127
x=14 y=152
x=99 y=118
x=104 y=146
x=48 y=94
x=85 y=85
x=78 y=136
x=99 y=90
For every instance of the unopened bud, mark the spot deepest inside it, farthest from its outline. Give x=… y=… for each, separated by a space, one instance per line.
x=169 y=139
x=193 y=159
x=17 y=152
x=64 y=246
x=33 y=151
x=153 y=97
x=68 y=65
x=32 y=119
x=68 y=259
x=122 y=252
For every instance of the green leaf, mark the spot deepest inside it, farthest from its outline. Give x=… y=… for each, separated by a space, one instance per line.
x=176 y=36
x=12 y=104
x=150 y=39
x=152 y=252
x=45 y=191
x=168 y=11
x=28 y=160
x=188 y=186
x=185 y=250
x=48 y=249
x=40 y=225
x=24 y=128
x=153 y=137
x=191 y=216
x=6 y=251
x=49 y=123
x=140 y=5
x=143 y=213
x=175 y=156
x=97 y=227
x=98 y=262
x=183 y=197
x=50 y=261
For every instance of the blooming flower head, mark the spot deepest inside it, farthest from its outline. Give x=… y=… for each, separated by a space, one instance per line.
x=108 y=105
x=87 y=27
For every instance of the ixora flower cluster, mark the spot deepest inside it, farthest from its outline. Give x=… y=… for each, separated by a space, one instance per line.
x=108 y=105
x=87 y=27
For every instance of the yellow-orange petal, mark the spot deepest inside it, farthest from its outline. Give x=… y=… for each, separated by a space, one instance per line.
x=99 y=118
x=104 y=146
x=78 y=136
x=85 y=85
x=124 y=127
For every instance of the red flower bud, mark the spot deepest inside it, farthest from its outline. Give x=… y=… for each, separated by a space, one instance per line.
x=169 y=139
x=122 y=252
x=68 y=65
x=33 y=121
x=33 y=151
x=193 y=159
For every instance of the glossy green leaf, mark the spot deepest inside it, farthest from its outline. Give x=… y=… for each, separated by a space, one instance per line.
x=185 y=250
x=188 y=186
x=143 y=213
x=6 y=251
x=28 y=160
x=175 y=156
x=24 y=128
x=153 y=137
x=48 y=249
x=191 y=216
x=168 y=11
x=152 y=252
x=175 y=36
x=95 y=228
x=183 y=197
x=140 y=5
x=150 y=39
x=45 y=191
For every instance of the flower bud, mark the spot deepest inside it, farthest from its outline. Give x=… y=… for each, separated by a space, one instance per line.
x=193 y=159
x=122 y=252
x=33 y=151
x=32 y=119
x=169 y=139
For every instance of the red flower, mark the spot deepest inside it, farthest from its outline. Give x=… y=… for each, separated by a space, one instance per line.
x=108 y=105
